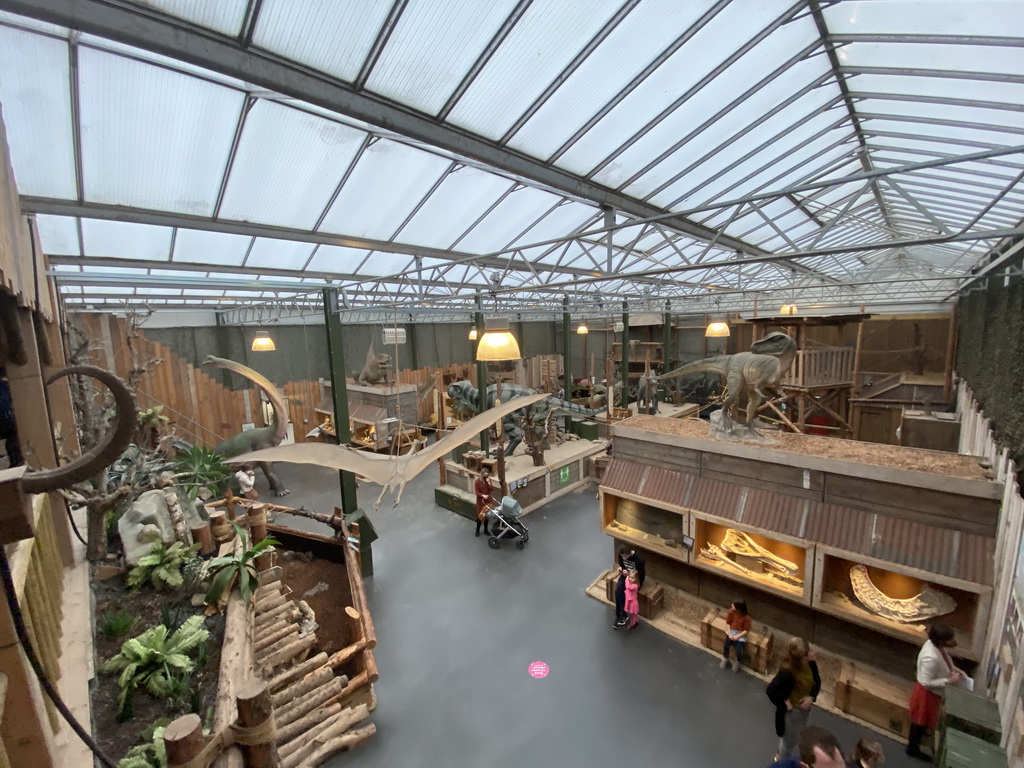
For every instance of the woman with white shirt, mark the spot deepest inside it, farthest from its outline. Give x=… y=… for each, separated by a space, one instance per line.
x=935 y=670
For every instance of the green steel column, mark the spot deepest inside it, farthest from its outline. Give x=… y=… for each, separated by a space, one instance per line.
x=625 y=355
x=666 y=347
x=566 y=360
x=339 y=392
x=481 y=371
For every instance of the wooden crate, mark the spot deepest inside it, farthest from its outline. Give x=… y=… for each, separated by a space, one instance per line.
x=760 y=639
x=652 y=594
x=877 y=699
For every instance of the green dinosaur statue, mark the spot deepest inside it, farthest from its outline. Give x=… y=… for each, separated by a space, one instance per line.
x=263 y=437
x=752 y=372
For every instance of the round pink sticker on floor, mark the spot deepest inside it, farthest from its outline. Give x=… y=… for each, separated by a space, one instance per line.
x=539 y=669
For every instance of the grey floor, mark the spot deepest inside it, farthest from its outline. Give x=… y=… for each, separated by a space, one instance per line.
x=458 y=624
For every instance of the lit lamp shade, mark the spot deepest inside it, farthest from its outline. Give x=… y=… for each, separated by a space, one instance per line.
x=497 y=343
x=583 y=330
x=262 y=342
x=618 y=327
x=472 y=334
x=788 y=309
x=717 y=330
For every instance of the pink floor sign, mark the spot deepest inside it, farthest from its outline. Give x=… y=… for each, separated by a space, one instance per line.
x=539 y=669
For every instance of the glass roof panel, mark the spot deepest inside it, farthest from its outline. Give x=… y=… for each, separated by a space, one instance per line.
x=947 y=112
x=287 y=166
x=58 y=235
x=975 y=136
x=278 y=254
x=337 y=259
x=941 y=87
x=512 y=215
x=715 y=96
x=8 y=18
x=195 y=246
x=961 y=17
x=331 y=37
x=224 y=16
x=432 y=47
x=737 y=23
x=125 y=240
x=542 y=43
x=955 y=58
x=36 y=100
x=170 y=134
x=382 y=190
x=562 y=221
x=648 y=29
x=460 y=200
x=383 y=264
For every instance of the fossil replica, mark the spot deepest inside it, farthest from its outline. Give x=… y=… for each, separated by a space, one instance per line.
x=647 y=392
x=739 y=543
x=925 y=605
x=715 y=554
x=391 y=472
x=375 y=371
x=752 y=372
x=264 y=437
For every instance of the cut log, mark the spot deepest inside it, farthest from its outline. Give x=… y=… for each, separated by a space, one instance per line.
x=269 y=602
x=359 y=681
x=343 y=742
x=313 y=680
x=282 y=611
x=183 y=739
x=271 y=575
x=222 y=531
x=296 y=672
x=268 y=589
x=289 y=637
x=352 y=613
x=291 y=651
x=306 y=729
x=254 y=709
x=297 y=750
x=202 y=535
x=339 y=658
x=277 y=632
x=298 y=708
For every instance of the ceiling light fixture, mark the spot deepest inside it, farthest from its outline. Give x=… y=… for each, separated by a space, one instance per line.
x=717 y=330
x=788 y=309
x=497 y=343
x=582 y=330
x=262 y=342
x=472 y=334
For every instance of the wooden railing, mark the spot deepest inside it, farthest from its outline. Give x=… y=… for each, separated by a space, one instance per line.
x=821 y=367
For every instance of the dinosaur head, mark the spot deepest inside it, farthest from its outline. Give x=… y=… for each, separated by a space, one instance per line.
x=775 y=344
x=464 y=394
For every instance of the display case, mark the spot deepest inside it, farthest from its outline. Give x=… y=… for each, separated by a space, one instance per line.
x=663 y=528
x=899 y=601
x=771 y=562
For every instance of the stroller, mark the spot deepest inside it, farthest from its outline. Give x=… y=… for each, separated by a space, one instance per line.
x=505 y=524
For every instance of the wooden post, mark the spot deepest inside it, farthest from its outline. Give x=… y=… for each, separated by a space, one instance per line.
x=255 y=708
x=222 y=532
x=229 y=504
x=856 y=358
x=202 y=535
x=947 y=375
x=184 y=740
x=258 y=532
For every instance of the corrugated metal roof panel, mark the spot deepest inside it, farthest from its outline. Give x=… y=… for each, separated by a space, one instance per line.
x=714 y=497
x=836 y=526
x=913 y=544
x=667 y=486
x=773 y=511
x=625 y=476
x=976 y=558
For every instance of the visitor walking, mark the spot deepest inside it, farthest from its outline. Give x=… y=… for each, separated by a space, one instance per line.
x=627 y=560
x=484 y=499
x=737 y=627
x=632 y=605
x=867 y=754
x=793 y=691
x=935 y=670
x=816 y=748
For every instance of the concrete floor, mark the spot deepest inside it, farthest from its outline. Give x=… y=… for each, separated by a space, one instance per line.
x=458 y=624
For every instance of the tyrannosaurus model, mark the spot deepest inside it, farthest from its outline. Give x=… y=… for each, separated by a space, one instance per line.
x=752 y=372
x=263 y=437
x=467 y=404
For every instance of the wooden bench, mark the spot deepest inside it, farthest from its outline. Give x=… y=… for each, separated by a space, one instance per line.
x=760 y=640
x=875 y=697
x=652 y=594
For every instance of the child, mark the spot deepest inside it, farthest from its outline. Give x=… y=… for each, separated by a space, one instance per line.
x=867 y=754
x=632 y=599
x=737 y=627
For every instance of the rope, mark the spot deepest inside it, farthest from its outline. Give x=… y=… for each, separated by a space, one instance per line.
x=264 y=733
x=257 y=517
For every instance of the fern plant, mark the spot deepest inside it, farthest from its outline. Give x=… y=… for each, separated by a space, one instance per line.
x=116 y=623
x=154 y=660
x=203 y=470
x=163 y=565
x=151 y=753
x=241 y=565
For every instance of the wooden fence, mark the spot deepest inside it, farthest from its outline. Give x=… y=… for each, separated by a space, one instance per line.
x=821 y=367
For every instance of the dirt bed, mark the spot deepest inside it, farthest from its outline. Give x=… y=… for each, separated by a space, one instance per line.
x=324 y=586
x=876 y=454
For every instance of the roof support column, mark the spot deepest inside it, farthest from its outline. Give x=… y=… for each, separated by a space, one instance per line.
x=339 y=394
x=481 y=372
x=625 y=356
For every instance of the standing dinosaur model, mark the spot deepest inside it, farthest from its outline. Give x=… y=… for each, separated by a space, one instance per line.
x=263 y=437
x=375 y=371
x=647 y=392
x=391 y=472
x=752 y=372
x=467 y=404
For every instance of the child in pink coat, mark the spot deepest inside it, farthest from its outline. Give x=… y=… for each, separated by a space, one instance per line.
x=632 y=606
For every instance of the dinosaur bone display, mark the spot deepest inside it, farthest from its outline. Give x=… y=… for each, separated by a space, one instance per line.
x=752 y=372
x=391 y=472
x=925 y=605
x=715 y=554
x=739 y=543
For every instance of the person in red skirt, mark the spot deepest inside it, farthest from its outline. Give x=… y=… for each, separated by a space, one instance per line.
x=935 y=670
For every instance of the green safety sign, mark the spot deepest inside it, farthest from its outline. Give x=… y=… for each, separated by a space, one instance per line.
x=563 y=474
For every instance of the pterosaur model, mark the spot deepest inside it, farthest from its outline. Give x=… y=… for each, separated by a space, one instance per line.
x=391 y=472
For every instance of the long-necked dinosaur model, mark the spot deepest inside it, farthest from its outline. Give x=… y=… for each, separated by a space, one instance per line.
x=752 y=372
x=263 y=437
x=391 y=472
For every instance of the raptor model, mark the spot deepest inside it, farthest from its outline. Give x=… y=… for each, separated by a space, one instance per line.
x=752 y=372
x=467 y=404
x=263 y=437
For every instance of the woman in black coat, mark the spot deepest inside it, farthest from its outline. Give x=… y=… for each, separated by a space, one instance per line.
x=793 y=691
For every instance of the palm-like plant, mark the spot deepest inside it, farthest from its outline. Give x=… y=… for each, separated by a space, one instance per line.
x=162 y=566
x=241 y=565
x=154 y=660
x=202 y=469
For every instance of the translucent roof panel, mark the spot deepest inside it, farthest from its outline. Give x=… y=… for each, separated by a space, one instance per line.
x=978 y=137
x=58 y=235
x=563 y=220
x=510 y=217
x=337 y=259
x=279 y=254
x=125 y=240
x=737 y=23
x=949 y=58
x=198 y=247
x=178 y=128
x=36 y=100
x=962 y=17
x=287 y=166
x=331 y=37
x=432 y=48
x=462 y=198
x=994 y=118
x=939 y=87
x=647 y=30
x=542 y=43
x=388 y=181
x=223 y=16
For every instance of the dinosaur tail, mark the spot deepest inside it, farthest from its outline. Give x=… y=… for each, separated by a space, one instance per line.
x=555 y=404
x=707 y=365
x=280 y=422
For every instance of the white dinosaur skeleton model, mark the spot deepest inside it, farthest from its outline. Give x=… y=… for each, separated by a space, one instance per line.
x=927 y=604
x=713 y=553
x=739 y=543
x=391 y=472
